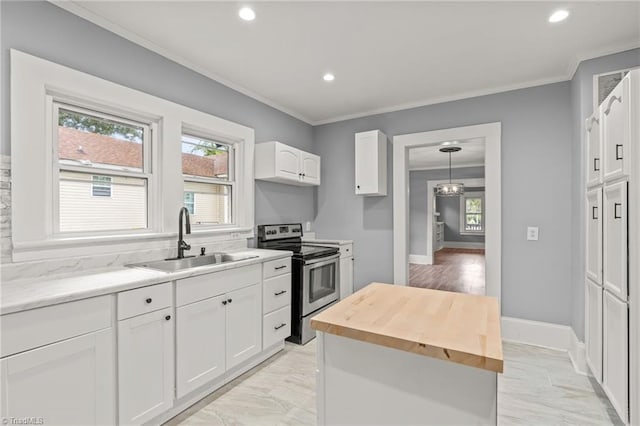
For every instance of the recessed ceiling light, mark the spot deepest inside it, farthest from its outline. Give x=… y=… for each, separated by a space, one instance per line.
x=328 y=77
x=558 y=15
x=247 y=14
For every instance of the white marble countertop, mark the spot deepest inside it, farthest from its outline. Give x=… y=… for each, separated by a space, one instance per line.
x=22 y=295
x=326 y=241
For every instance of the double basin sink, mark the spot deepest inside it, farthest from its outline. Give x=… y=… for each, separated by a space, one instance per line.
x=173 y=265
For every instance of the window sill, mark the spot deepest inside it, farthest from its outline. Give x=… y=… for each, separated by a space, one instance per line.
x=60 y=248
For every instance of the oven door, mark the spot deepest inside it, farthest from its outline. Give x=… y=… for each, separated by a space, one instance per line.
x=320 y=283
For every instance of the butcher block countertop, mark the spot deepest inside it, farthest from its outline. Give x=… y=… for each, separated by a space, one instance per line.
x=455 y=327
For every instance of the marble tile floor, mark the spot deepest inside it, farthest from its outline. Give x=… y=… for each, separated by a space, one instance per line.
x=538 y=387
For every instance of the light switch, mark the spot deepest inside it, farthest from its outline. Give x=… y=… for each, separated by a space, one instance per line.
x=532 y=233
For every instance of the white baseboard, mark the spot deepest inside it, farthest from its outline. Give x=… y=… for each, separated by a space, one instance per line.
x=458 y=244
x=578 y=354
x=547 y=335
x=419 y=259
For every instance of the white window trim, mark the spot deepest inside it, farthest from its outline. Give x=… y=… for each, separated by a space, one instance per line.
x=463 y=212
x=32 y=81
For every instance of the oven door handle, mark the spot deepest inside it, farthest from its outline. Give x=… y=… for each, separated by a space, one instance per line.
x=322 y=260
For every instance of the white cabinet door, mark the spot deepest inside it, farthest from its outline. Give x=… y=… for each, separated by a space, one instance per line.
x=310 y=167
x=594 y=150
x=371 y=163
x=287 y=161
x=615 y=239
x=200 y=341
x=594 y=235
x=145 y=366
x=593 y=328
x=346 y=277
x=244 y=324
x=615 y=377
x=70 y=382
x=616 y=130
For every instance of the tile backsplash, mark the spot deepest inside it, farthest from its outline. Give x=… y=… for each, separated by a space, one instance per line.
x=33 y=269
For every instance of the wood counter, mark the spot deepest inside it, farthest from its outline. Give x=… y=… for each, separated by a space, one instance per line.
x=455 y=327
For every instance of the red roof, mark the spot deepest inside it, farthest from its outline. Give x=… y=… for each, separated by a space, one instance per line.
x=79 y=145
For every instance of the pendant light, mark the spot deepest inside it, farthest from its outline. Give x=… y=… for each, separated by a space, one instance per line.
x=450 y=189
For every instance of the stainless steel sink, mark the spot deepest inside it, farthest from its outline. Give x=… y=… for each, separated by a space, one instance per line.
x=172 y=265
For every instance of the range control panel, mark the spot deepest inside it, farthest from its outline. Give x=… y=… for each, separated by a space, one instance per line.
x=277 y=232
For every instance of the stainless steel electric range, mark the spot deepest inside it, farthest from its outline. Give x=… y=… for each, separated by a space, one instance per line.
x=315 y=277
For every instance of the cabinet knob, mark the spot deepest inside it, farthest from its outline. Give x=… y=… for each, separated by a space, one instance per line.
x=618 y=151
x=168 y=317
x=280 y=267
x=357 y=186
x=278 y=327
x=149 y=300
x=279 y=292
x=229 y=300
x=224 y=302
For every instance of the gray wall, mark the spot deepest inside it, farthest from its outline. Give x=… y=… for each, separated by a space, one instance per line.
x=449 y=209
x=536 y=180
x=418 y=201
x=582 y=107
x=44 y=30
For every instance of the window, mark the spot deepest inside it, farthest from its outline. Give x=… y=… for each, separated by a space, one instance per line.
x=189 y=202
x=115 y=199
x=101 y=186
x=472 y=213
x=207 y=167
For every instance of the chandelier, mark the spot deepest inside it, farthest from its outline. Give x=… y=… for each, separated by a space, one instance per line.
x=450 y=189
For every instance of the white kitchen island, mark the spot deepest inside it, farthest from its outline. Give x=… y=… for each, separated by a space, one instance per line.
x=395 y=355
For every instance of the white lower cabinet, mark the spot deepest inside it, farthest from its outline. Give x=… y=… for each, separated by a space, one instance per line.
x=346 y=277
x=200 y=343
x=243 y=319
x=145 y=366
x=615 y=239
x=69 y=382
x=593 y=328
x=615 y=377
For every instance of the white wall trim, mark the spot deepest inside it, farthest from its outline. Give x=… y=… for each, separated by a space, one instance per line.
x=578 y=354
x=547 y=335
x=431 y=184
x=419 y=259
x=493 y=175
x=536 y=333
x=462 y=244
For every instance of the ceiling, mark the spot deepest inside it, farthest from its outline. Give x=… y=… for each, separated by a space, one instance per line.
x=429 y=157
x=385 y=55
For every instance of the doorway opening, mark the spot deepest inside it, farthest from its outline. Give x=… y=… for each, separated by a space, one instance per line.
x=485 y=135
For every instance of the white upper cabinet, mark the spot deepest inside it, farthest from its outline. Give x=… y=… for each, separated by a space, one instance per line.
x=616 y=130
x=594 y=235
x=615 y=239
x=277 y=162
x=593 y=329
x=594 y=150
x=371 y=163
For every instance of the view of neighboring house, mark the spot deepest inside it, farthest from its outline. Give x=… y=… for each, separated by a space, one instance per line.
x=97 y=201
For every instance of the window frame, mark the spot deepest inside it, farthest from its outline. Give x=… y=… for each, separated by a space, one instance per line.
x=230 y=182
x=34 y=83
x=57 y=102
x=463 y=212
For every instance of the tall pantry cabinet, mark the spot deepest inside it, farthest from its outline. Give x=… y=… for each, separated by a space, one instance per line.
x=613 y=163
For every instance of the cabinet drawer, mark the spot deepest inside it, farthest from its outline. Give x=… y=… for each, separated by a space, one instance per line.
x=276 y=293
x=276 y=326
x=346 y=250
x=202 y=287
x=26 y=330
x=276 y=267
x=143 y=300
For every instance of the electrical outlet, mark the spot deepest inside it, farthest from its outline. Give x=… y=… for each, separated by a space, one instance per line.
x=532 y=233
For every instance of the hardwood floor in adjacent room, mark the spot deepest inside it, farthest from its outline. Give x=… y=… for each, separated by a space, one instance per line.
x=459 y=270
